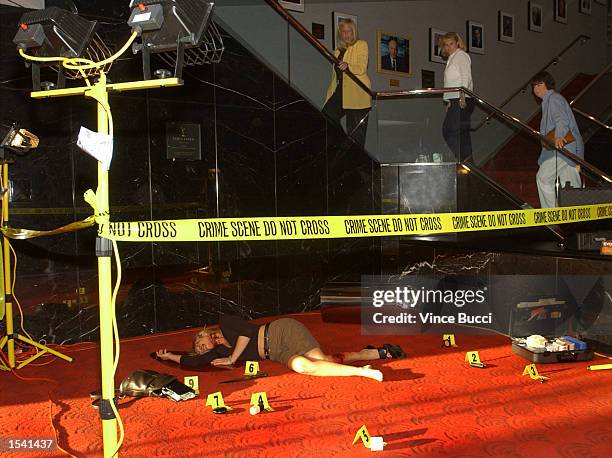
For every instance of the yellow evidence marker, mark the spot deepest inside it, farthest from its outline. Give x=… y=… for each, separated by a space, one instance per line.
x=532 y=371
x=261 y=400
x=192 y=382
x=215 y=400
x=473 y=358
x=364 y=435
x=449 y=340
x=252 y=368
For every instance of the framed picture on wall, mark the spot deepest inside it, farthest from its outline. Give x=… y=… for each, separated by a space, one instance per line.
x=318 y=30
x=561 y=11
x=293 y=5
x=435 y=45
x=428 y=79
x=585 y=7
x=393 y=54
x=476 y=37
x=536 y=17
x=506 y=27
x=336 y=18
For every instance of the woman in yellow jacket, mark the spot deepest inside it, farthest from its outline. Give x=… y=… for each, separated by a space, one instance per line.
x=344 y=96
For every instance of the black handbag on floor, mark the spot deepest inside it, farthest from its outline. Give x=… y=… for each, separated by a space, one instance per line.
x=148 y=383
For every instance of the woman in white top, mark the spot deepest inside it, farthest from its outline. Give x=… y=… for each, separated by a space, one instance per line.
x=458 y=73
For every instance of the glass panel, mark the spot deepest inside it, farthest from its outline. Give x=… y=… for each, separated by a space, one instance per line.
x=596 y=100
x=597 y=146
x=597 y=138
x=310 y=80
x=410 y=130
x=502 y=157
x=243 y=20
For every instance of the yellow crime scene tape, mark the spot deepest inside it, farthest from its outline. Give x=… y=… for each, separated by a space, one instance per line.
x=325 y=227
x=22 y=234
x=321 y=227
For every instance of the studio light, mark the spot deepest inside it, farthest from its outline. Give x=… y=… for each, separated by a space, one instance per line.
x=19 y=140
x=180 y=32
x=54 y=32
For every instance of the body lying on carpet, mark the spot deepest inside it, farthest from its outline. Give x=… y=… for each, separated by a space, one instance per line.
x=284 y=340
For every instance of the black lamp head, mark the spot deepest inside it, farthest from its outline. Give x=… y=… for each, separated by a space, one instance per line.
x=57 y=32
x=181 y=32
x=165 y=22
x=54 y=32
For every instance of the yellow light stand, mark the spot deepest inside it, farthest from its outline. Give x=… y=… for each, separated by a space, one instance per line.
x=99 y=92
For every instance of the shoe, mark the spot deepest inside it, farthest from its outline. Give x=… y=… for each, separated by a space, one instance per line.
x=388 y=349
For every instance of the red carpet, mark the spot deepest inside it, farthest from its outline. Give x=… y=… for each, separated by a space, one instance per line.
x=429 y=405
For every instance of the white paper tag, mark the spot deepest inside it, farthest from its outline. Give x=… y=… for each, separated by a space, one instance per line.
x=97 y=145
x=142 y=17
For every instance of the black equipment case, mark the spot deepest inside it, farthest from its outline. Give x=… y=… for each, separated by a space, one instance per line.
x=549 y=318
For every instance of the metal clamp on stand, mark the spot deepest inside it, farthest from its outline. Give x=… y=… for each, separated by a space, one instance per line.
x=104 y=247
x=106 y=411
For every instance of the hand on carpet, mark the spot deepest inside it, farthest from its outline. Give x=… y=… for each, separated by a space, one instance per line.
x=163 y=354
x=166 y=355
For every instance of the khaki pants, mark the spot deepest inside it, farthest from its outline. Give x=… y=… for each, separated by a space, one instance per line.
x=288 y=338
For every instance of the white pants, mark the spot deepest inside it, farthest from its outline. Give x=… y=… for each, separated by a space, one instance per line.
x=546 y=178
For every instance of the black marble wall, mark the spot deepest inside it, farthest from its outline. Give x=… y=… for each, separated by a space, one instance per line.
x=265 y=152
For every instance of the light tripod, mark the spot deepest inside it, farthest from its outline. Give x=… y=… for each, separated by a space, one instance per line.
x=11 y=336
x=99 y=92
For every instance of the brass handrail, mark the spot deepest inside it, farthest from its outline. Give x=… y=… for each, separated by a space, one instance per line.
x=592 y=118
x=581 y=38
x=606 y=70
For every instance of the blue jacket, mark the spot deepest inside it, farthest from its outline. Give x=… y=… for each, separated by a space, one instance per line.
x=558 y=115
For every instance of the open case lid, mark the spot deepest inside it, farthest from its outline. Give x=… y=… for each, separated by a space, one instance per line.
x=548 y=316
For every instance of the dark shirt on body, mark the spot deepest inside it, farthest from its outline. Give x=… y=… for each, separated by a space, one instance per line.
x=232 y=327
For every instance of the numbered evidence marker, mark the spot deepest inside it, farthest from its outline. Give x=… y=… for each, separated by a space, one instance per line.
x=532 y=371
x=364 y=435
x=192 y=382
x=215 y=400
x=251 y=369
x=449 y=340
x=473 y=358
x=261 y=400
